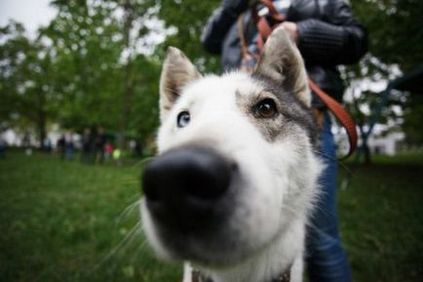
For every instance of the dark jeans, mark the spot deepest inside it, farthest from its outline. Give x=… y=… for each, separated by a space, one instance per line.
x=326 y=259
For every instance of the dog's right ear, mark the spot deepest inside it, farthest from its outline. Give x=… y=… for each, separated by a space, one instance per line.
x=281 y=62
x=177 y=72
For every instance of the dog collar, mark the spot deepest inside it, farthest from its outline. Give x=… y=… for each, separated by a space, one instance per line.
x=198 y=277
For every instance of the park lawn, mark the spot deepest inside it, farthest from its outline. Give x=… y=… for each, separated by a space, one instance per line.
x=381 y=218
x=65 y=221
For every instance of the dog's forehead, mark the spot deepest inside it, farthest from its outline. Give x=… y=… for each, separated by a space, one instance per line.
x=224 y=87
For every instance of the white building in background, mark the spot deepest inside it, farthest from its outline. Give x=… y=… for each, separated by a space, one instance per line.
x=12 y=138
x=386 y=145
x=15 y=138
x=380 y=144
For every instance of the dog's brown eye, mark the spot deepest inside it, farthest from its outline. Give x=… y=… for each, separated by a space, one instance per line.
x=183 y=119
x=266 y=108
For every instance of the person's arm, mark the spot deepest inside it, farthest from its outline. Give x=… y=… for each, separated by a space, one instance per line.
x=342 y=40
x=219 y=23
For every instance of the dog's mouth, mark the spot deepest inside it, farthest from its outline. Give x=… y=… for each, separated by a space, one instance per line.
x=189 y=194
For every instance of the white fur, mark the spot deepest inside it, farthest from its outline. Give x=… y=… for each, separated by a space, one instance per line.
x=278 y=178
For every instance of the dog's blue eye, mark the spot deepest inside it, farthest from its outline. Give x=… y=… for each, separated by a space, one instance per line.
x=183 y=119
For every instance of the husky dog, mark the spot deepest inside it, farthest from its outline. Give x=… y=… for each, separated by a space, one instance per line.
x=235 y=179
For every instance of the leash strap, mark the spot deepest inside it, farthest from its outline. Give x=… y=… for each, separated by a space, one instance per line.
x=341 y=115
x=264 y=31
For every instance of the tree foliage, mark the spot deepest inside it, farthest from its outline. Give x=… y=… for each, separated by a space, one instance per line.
x=396 y=46
x=83 y=68
x=189 y=17
x=26 y=81
x=98 y=61
x=395 y=29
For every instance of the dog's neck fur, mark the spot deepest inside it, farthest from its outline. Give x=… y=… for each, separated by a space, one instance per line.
x=271 y=263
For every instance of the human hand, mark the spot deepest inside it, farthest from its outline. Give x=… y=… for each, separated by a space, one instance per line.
x=291 y=29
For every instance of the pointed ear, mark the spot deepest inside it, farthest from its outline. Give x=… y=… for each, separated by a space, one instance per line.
x=177 y=72
x=281 y=62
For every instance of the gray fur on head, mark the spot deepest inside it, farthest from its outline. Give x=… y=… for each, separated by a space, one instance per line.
x=281 y=62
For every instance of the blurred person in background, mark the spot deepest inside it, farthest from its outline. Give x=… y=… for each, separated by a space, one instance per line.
x=85 y=145
x=61 y=146
x=69 y=146
x=100 y=142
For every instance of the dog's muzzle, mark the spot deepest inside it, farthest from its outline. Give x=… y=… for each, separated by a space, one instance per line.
x=185 y=188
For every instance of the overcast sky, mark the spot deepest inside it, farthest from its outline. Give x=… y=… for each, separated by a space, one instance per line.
x=32 y=13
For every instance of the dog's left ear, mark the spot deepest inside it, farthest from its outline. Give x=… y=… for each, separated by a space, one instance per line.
x=177 y=72
x=281 y=62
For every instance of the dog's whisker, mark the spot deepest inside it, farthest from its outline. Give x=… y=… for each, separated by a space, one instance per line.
x=129 y=237
x=325 y=155
x=310 y=225
x=142 y=162
x=331 y=158
x=289 y=209
x=138 y=250
x=128 y=210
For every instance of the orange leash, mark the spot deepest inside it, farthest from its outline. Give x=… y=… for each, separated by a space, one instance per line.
x=334 y=106
x=341 y=115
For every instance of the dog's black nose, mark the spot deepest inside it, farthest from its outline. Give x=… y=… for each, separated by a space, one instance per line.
x=190 y=172
x=187 y=181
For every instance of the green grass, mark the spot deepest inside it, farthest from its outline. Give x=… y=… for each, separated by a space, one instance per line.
x=65 y=221
x=381 y=216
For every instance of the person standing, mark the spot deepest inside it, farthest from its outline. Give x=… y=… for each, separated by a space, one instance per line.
x=86 y=146
x=61 y=146
x=69 y=146
x=327 y=36
x=100 y=142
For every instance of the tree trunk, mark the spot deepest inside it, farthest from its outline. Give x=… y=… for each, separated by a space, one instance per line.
x=127 y=77
x=365 y=151
x=41 y=128
x=41 y=118
x=126 y=105
x=367 y=155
